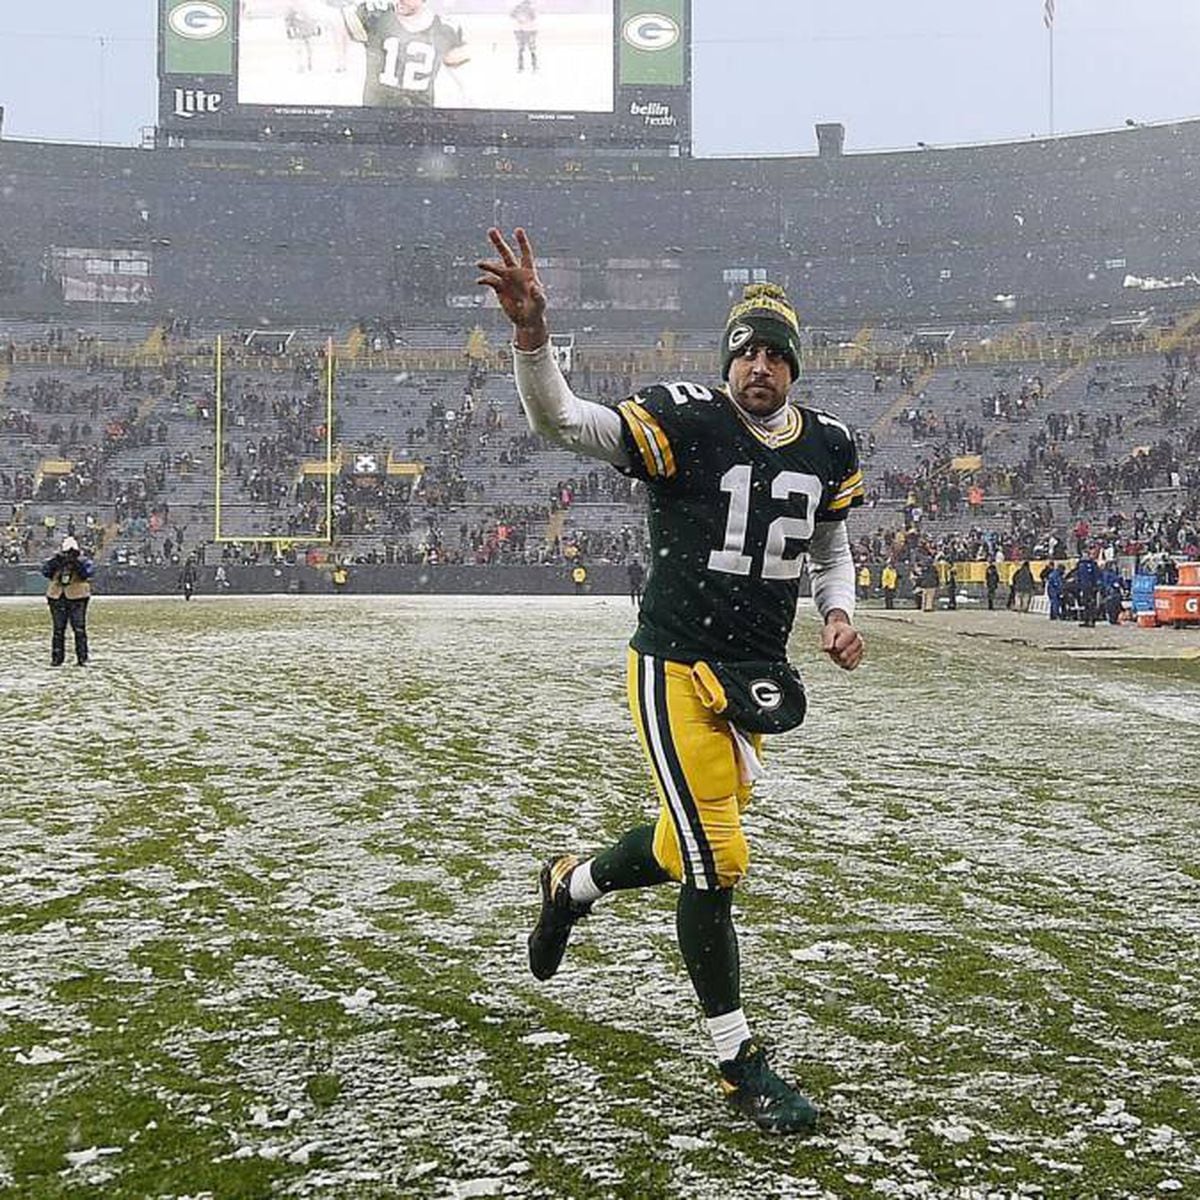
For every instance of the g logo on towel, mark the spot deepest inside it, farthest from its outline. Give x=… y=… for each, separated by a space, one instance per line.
x=767 y=694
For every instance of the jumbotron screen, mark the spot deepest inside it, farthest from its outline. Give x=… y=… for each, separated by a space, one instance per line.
x=536 y=71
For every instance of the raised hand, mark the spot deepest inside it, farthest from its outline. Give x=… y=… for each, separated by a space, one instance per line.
x=518 y=288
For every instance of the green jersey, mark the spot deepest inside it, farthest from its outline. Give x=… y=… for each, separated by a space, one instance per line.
x=733 y=507
x=402 y=63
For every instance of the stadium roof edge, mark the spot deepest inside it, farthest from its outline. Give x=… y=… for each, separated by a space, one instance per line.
x=936 y=147
x=1138 y=128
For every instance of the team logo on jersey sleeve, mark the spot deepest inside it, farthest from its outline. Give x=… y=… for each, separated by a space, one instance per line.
x=739 y=335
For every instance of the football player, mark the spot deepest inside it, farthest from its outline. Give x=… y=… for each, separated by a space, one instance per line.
x=744 y=488
x=524 y=17
x=407 y=45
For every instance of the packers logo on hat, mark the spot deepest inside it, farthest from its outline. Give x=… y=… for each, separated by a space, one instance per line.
x=738 y=336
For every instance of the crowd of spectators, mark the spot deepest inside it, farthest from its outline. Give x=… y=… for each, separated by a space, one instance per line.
x=465 y=458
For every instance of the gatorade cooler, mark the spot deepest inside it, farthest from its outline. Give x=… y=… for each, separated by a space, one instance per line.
x=1177 y=605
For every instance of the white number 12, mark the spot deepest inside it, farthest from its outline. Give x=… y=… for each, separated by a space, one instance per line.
x=420 y=62
x=732 y=558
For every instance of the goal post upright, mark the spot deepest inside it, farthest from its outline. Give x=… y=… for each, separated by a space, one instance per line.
x=329 y=441
x=218 y=396
x=319 y=537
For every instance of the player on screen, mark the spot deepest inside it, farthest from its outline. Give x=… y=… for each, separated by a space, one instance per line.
x=525 y=21
x=407 y=46
x=302 y=29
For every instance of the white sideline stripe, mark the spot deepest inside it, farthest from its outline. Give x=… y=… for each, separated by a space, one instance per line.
x=690 y=848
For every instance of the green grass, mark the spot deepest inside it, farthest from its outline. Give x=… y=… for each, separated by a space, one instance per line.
x=268 y=869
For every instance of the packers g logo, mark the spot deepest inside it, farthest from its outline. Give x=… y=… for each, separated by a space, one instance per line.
x=198 y=20
x=739 y=335
x=767 y=694
x=650 y=31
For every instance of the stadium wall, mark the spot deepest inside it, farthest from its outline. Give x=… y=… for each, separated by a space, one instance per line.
x=266 y=579
x=327 y=234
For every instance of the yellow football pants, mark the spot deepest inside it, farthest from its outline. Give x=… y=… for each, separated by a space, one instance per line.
x=693 y=758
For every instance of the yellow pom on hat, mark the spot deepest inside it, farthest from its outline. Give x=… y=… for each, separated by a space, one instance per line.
x=766 y=298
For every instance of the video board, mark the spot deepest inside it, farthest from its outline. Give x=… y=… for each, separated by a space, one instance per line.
x=521 y=72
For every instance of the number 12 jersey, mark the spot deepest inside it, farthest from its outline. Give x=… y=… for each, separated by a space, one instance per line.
x=733 y=507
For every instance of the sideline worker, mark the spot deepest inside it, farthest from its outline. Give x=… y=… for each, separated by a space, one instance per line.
x=67 y=594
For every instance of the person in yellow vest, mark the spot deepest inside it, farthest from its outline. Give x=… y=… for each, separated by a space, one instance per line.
x=67 y=594
x=888 y=581
x=864 y=582
x=340 y=576
x=579 y=577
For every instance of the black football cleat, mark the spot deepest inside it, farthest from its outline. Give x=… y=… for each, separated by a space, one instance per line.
x=548 y=941
x=755 y=1091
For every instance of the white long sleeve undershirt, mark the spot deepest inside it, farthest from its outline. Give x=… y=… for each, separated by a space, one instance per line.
x=831 y=568
x=554 y=411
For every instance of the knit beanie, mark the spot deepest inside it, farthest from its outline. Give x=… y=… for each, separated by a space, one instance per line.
x=764 y=315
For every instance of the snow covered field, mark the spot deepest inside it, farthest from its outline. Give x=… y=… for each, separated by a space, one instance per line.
x=267 y=869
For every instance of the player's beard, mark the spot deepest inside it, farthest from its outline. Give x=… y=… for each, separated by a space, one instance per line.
x=760 y=399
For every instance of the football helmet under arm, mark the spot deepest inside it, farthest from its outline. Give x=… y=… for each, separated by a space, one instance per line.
x=831 y=568
x=554 y=411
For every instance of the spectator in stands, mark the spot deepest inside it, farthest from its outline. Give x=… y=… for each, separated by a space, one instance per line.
x=67 y=594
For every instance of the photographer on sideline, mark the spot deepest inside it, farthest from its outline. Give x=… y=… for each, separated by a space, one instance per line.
x=67 y=594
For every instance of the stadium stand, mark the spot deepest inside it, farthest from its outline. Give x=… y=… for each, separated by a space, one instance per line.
x=981 y=429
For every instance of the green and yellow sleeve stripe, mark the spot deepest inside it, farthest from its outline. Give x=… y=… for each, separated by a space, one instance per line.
x=850 y=492
x=652 y=443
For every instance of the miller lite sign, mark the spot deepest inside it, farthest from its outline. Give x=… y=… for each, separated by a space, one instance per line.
x=195 y=102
